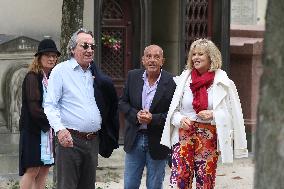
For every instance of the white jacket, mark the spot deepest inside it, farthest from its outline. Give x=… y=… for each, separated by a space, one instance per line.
x=227 y=113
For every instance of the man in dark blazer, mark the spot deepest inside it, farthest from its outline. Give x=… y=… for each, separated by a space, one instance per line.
x=145 y=102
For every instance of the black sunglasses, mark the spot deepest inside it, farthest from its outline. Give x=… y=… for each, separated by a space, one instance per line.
x=87 y=45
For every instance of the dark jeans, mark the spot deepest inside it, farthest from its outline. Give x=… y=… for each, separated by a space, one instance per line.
x=76 y=166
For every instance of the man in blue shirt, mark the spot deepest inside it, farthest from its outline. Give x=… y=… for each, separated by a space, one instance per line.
x=81 y=106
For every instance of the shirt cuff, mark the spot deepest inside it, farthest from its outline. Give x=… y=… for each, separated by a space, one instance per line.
x=58 y=128
x=176 y=119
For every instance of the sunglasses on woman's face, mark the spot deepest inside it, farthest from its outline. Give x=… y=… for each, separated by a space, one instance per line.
x=87 y=45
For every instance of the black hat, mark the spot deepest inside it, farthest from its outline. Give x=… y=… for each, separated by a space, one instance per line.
x=47 y=45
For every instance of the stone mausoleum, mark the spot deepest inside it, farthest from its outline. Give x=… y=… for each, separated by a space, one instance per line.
x=16 y=52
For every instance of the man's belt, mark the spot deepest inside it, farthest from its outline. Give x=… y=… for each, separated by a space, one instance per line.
x=83 y=135
x=143 y=131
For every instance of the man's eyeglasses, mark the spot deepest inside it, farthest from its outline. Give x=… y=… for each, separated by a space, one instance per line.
x=87 y=45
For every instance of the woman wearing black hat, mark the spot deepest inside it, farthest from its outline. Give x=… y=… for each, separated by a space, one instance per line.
x=36 y=149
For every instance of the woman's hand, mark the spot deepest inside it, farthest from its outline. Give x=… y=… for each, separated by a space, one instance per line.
x=185 y=123
x=205 y=115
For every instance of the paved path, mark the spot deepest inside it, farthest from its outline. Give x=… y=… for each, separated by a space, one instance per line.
x=238 y=175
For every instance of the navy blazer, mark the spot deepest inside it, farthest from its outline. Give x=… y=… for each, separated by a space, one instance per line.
x=107 y=101
x=131 y=102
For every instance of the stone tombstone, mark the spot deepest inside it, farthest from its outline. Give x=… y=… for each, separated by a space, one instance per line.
x=16 y=52
x=17 y=44
x=244 y=12
x=13 y=95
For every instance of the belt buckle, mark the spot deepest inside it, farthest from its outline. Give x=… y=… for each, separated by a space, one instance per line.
x=88 y=136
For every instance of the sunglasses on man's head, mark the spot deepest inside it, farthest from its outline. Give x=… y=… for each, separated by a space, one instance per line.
x=87 y=45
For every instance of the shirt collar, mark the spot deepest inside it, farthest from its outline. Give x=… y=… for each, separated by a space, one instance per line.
x=74 y=64
x=144 y=76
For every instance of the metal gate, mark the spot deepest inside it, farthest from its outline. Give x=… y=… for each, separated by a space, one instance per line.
x=197 y=21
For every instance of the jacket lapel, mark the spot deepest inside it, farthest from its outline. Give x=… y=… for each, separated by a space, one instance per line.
x=138 y=88
x=219 y=91
x=160 y=91
x=180 y=83
x=218 y=94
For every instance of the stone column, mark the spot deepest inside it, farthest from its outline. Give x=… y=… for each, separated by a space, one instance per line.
x=245 y=70
x=97 y=29
x=166 y=32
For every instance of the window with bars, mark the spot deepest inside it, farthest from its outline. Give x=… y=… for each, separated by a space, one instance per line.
x=197 y=21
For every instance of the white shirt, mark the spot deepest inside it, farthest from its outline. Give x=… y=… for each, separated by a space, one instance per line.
x=186 y=109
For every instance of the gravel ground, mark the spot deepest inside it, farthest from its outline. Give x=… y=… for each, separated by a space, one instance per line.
x=238 y=175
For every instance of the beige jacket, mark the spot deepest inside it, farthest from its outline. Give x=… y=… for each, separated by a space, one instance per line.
x=227 y=113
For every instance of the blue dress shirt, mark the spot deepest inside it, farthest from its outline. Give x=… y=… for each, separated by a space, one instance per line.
x=148 y=94
x=70 y=101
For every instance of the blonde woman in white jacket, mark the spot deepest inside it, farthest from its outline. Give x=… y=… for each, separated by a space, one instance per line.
x=204 y=118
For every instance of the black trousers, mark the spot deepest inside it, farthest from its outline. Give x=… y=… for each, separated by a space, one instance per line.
x=76 y=166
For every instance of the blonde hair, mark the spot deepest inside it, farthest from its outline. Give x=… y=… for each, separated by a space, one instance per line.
x=36 y=65
x=210 y=49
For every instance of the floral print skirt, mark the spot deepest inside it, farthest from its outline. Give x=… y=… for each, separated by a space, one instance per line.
x=195 y=155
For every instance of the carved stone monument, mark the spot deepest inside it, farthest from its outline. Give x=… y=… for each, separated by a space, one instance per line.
x=16 y=52
x=244 y=12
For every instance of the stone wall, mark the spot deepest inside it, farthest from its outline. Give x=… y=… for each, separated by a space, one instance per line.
x=243 y=12
x=246 y=44
x=13 y=68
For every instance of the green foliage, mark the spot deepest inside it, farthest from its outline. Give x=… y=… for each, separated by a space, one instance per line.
x=111 y=42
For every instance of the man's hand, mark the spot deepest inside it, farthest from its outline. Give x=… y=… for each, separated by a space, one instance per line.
x=144 y=116
x=65 y=138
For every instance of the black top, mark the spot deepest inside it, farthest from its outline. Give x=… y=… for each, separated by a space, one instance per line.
x=32 y=121
x=32 y=116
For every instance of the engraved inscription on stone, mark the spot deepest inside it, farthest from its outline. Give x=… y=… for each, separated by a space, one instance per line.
x=11 y=43
x=243 y=12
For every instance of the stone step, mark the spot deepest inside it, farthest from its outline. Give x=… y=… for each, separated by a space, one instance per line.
x=9 y=149
x=9 y=164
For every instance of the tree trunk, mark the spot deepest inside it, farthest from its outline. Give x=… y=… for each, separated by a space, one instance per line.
x=269 y=143
x=72 y=20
